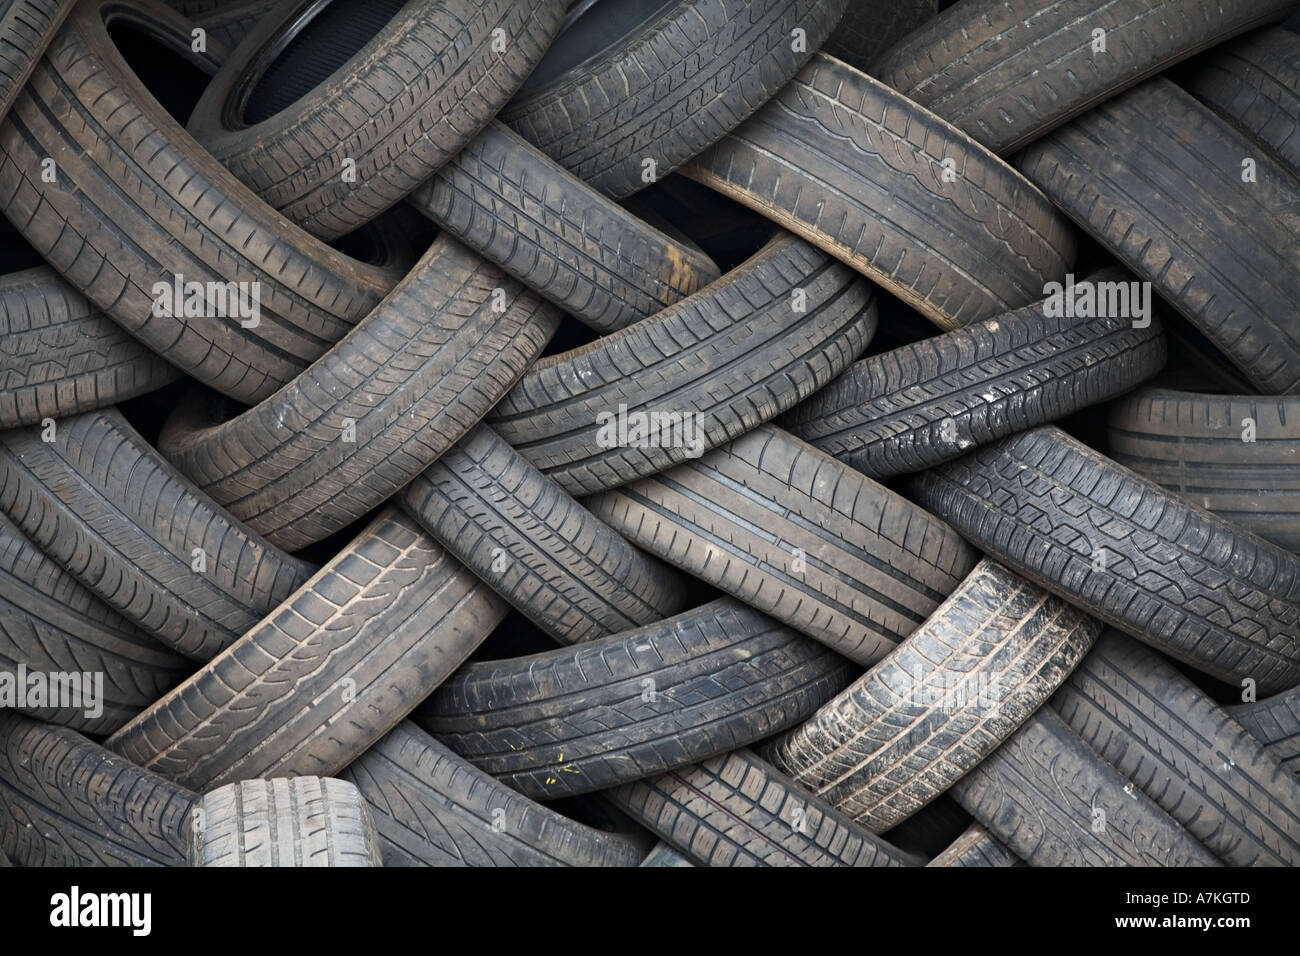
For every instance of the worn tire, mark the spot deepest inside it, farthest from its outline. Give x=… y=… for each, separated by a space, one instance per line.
x=518 y=208
x=931 y=401
x=733 y=355
x=976 y=847
x=661 y=855
x=634 y=704
x=1156 y=178
x=870 y=27
x=410 y=379
x=1008 y=71
x=1127 y=552
x=103 y=504
x=667 y=88
x=26 y=29
x=795 y=534
x=858 y=171
x=1275 y=722
x=415 y=92
x=1193 y=444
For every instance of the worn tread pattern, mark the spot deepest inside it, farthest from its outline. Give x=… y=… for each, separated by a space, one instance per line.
x=976 y=847
x=858 y=170
x=1274 y=722
x=631 y=705
x=661 y=855
x=1128 y=552
x=26 y=29
x=870 y=27
x=790 y=531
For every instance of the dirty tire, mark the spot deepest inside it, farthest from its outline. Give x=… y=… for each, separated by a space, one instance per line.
x=819 y=160
x=26 y=29
x=1128 y=552
x=976 y=847
x=1008 y=71
x=1205 y=770
x=1156 y=178
x=795 y=534
x=432 y=808
x=738 y=810
x=598 y=262
x=635 y=704
x=327 y=673
x=60 y=356
x=931 y=401
x=377 y=409
x=102 y=503
x=1194 y=445
x=50 y=623
x=668 y=88
x=545 y=553
x=661 y=855
x=288 y=821
x=731 y=356
x=405 y=102
x=1275 y=723
x=870 y=27
x=137 y=201
x=65 y=801
x=905 y=731
x=1054 y=802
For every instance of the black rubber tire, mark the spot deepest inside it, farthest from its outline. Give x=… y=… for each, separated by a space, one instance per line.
x=546 y=554
x=288 y=821
x=50 y=624
x=516 y=207
x=738 y=810
x=1205 y=770
x=1193 y=444
x=328 y=673
x=909 y=728
x=793 y=533
x=857 y=170
x=137 y=201
x=433 y=808
x=1127 y=552
x=65 y=801
x=26 y=29
x=1156 y=178
x=661 y=855
x=731 y=356
x=1254 y=83
x=1275 y=722
x=59 y=356
x=1008 y=71
x=628 y=706
x=229 y=23
x=1054 y=802
x=977 y=847
x=667 y=88
x=410 y=97
x=103 y=504
x=870 y=27
x=931 y=401
x=411 y=378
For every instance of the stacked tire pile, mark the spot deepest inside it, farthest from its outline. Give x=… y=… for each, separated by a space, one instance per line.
x=650 y=432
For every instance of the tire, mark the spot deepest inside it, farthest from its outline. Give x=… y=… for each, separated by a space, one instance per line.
x=377 y=409
x=976 y=847
x=432 y=808
x=1156 y=178
x=26 y=28
x=518 y=208
x=738 y=810
x=1275 y=723
x=723 y=361
x=50 y=624
x=547 y=555
x=945 y=699
x=231 y=22
x=793 y=533
x=410 y=85
x=137 y=202
x=325 y=675
x=106 y=507
x=1194 y=445
x=59 y=356
x=931 y=401
x=298 y=821
x=1254 y=83
x=1008 y=71
x=667 y=88
x=819 y=160
x=1161 y=731
x=661 y=855
x=1128 y=552
x=869 y=28
x=1055 y=802
x=635 y=704
x=65 y=801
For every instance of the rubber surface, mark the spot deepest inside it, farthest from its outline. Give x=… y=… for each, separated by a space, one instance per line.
x=870 y=27
x=976 y=847
x=26 y=28
x=1275 y=722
